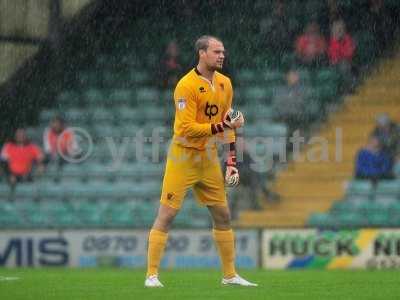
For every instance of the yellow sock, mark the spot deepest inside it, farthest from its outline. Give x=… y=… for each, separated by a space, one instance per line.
x=157 y=242
x=225 y=241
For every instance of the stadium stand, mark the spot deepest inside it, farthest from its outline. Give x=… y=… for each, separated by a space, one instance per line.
x=115 y=95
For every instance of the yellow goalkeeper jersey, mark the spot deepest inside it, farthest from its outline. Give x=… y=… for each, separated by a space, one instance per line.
x=198 y=104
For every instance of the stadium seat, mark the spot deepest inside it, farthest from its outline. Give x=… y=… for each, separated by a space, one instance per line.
x=138 y=76
x=274 y=77
x=378 y=219
x=256 y=93
x=350 y=220
x=53 y=190
x=101 y=115
x=388 y=187
x=26 y=191
x=147 y=96
x=360 y=187
x=4 y=190
x=90 y=214
x=94 y=97
x=247 y=76
x=321 y=220
x=122 y=96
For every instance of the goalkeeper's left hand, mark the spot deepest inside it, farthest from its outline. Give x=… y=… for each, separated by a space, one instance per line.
x=231 y=173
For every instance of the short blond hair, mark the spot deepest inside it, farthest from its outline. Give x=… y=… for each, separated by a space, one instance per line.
x=202 y=42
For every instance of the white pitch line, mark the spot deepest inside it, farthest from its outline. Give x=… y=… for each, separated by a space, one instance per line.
x=9 y=278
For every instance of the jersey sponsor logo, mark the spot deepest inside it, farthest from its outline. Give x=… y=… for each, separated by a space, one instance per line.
x=211 y=110
x=202 y=89
x=181 y=103
x=222 y=86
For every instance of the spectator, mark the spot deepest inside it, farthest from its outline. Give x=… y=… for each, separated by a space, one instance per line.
x=341 y=46
x=372 y=163
x=311 y=46
x=58 y=141
x=289 y=101
x=19 y=156
x=379 y=21
x=388 y=134
x=170 y=66
x=275 y=30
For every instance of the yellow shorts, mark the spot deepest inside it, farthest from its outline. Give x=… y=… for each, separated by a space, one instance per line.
x=200 y=169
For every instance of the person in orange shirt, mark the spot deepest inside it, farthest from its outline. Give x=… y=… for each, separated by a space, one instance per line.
x=203 y=116
x=19 y=156
x=58 y=141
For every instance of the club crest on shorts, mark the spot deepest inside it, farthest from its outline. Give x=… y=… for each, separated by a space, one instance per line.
x=181 y=103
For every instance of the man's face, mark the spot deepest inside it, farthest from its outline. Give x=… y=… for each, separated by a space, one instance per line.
x=56 y=126
x=20 y=136
x=214 y=56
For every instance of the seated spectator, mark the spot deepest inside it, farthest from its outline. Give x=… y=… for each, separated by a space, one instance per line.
x=341 y=46
x=19 y=156
x=170 y=66
x=388 y=134
x=59 y=142
x=372 y=163
x=289 y=101
x=311 y=46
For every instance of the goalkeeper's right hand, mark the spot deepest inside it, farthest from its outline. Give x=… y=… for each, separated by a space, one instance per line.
x=233 y=119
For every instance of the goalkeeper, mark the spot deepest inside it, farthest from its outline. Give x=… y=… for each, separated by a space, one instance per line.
x=203 y=115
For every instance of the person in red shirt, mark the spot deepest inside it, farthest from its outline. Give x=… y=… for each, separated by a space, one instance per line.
x=19 y=157
x=59 y=141
x=311 y=46
x=341 y=45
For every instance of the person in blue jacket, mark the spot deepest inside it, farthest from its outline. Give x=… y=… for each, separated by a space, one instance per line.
x=372 y=162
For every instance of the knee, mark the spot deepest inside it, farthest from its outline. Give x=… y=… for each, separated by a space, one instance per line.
x=223 y=219
x=164 y=219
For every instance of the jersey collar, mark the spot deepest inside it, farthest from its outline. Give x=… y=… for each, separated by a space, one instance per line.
x=205 y=79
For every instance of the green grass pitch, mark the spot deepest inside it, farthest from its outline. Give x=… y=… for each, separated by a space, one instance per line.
x=114 y=284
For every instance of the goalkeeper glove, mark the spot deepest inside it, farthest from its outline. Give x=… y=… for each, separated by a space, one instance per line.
x=232 y=119
x=232 y=173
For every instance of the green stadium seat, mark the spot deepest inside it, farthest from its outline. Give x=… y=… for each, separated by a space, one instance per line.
x=371 y=207
x=256 y=93
x=321 y=220
x=246 y=76
x=396 y=170
x=274 y=77
x=46 y=115
x=378 y=219
x=350 y=220
x=39 y=219
x=147 y=95
x=343 y=206
x=360 y=187
x=386 y=200
x=101 y=115
x=388 y=187
x=138 y=77
x=94 y=97
x=26 y=191
x=74 y=170
x=122 y=96
x=68 y=98
x=50 y=190
x=4 y=190
x=121 y=215
x=90 y=214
